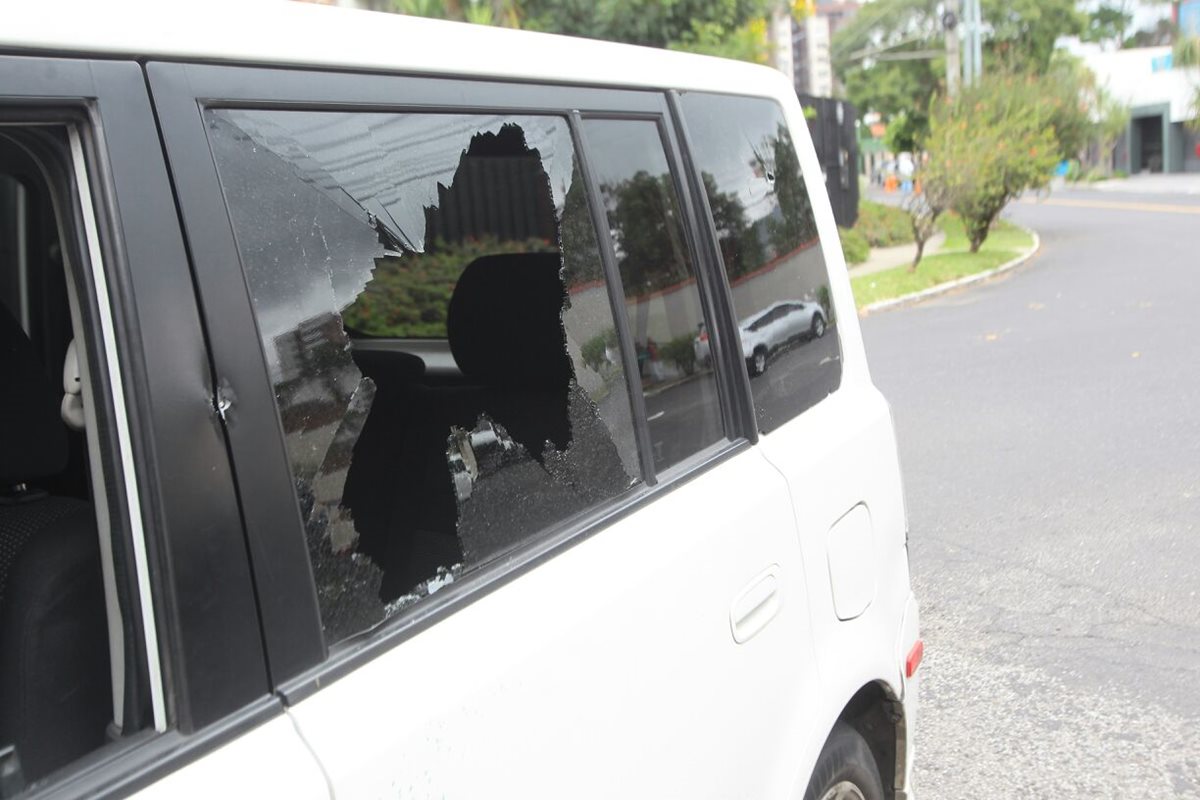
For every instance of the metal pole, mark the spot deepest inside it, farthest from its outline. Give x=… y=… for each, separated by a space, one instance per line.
x=950 y=21
x=967 y=50
x=976 y=41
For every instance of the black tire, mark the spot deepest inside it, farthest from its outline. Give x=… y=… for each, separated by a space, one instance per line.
x=845 y=764
x=818 y=326
x=757 y=362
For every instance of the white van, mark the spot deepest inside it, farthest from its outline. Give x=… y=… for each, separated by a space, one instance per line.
x=355 y=442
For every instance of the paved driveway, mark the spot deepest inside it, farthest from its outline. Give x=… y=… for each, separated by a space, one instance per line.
x=1050 y=434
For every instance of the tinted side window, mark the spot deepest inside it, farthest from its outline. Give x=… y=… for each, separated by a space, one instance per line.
x=471 y=228
x=771 y=251
x=662 y=300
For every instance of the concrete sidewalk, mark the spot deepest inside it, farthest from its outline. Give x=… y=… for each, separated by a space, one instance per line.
x=1174 y=183
x=878 y=195
x=902 y=255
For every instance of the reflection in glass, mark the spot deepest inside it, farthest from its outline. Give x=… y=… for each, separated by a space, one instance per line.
x=662 y=300
x=471 y=230
x=772 y=254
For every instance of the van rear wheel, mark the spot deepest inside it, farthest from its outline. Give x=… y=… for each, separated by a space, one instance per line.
x=845 y=770
x=844 y=791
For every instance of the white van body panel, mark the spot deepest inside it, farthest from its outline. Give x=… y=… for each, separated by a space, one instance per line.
x=268 y=761
x=838 y=456
x=616 y=689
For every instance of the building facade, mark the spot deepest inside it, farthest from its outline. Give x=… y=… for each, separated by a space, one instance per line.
x=812 y=62
x=1160 y=97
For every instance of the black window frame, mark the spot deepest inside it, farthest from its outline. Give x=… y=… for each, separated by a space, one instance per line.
x=209 y=642
x=299 y=658
x=725 y=395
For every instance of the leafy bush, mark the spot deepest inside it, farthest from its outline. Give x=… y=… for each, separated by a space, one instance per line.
x=407 y=297
x=883 y=225
x=679 y=351
x=987 y=145
x=854 y=245
x=595 y=350
x=903 y=130
x=825 y=299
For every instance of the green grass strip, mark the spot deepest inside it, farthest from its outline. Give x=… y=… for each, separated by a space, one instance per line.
x=953 y=261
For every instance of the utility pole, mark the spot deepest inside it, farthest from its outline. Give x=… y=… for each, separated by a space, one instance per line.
x=968 y=50
x=950 y=21
x=972 y=42
x=977 y=41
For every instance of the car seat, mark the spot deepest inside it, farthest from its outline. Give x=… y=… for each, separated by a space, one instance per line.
x=504 y=325
x=55 y=692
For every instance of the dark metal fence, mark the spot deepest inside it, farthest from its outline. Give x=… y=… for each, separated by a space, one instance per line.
x=834 y=136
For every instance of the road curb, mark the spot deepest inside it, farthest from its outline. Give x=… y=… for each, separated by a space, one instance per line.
x=949 y=286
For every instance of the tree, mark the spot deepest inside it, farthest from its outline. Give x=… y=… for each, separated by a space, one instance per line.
x=1165 y=29
x=885 y=26
x=1108 y=22
x=892 y=87
x=794 y=225
x=1024 y=32
x=1020 y=36
x=1064 y=97
x=577 y=236
x=924 y=208
x=479 y=12
x=726 y=28
x=747 y=42
x=643 y=218
x=654 y=23
x=740 y=246
x=1187 y=51
x=888 y=28
x=985 y=147
x=904 y=130
x=1187 y=54
x=1111 y=119
x=1162 y=33
x=1065 y=94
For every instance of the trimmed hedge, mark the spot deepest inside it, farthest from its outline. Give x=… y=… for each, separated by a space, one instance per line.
x=854 y=245
x=883 y=225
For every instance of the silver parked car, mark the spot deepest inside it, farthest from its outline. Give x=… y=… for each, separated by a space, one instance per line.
x=776 y=326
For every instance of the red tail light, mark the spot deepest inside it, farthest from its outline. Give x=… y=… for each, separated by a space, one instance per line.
x=914 y=658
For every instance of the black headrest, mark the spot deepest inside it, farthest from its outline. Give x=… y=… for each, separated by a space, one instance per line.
x=390 y=369
x=33 y=439
x=505 y=322
x=406 y=367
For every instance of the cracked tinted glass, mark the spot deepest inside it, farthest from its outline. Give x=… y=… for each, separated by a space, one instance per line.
x=662 y=301
x=771 y=251
x=363 y=235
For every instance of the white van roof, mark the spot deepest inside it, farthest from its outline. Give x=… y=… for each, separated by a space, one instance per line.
x=283 y=32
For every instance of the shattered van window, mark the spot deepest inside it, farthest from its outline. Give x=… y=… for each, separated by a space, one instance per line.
x=472 y=229
x=662 y=300
x=773 y=256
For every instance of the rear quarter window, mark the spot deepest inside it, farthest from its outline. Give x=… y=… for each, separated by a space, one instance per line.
x=770 y=249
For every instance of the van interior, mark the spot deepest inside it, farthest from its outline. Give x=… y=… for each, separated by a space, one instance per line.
x=56 y=613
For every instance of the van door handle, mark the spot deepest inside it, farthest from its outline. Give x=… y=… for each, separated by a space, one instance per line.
x=756 y=605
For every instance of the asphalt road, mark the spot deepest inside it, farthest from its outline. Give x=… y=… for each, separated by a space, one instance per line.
x=1049 y=425
x=685 y=416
